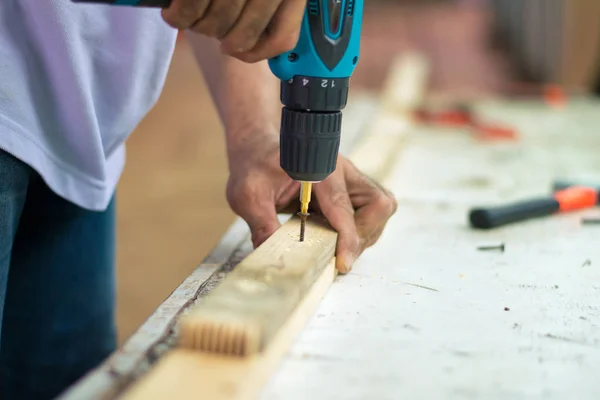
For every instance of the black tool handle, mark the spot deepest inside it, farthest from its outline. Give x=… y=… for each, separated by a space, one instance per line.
x=487 y=218
x=134 y=3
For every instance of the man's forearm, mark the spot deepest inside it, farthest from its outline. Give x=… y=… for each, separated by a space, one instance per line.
x=246 y=95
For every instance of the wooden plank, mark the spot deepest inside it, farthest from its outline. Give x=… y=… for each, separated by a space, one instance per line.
x=222 y=377
x=246 y=311
x=422 y=316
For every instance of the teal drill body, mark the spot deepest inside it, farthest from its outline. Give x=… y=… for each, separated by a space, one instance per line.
x=329 y=42
x=314 y=79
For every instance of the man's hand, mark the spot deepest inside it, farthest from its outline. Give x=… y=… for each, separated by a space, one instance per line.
x=356 y=207
x=250 y=30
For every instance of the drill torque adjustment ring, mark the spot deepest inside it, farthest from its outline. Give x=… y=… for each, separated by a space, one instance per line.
x=309 y=144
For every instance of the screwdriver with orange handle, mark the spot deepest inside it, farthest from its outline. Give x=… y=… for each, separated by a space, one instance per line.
x=568 y=199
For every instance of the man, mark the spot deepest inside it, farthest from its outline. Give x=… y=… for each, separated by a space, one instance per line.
x=75 y=80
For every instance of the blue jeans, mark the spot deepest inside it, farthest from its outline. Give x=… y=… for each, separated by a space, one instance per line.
x=57 y=286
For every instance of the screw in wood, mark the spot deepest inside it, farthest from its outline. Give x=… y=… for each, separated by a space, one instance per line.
x=303 y=217
x=492 y=247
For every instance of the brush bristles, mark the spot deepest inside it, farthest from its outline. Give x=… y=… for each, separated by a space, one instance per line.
x=219 y=337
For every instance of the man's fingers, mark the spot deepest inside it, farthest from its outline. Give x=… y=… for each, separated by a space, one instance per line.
x=336 y=207
x=282 y=35
x=251 y=26
x=257 y=208
x=219 y=18
x=372 y=218
x=373 y=203
x=251 y=30
x=184 y=13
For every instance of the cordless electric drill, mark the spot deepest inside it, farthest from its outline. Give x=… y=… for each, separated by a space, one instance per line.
x=315 y=79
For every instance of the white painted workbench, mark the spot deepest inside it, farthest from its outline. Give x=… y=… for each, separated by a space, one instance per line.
x=424 y=315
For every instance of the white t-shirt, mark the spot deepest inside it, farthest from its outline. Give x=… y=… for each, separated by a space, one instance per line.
x=75 y=81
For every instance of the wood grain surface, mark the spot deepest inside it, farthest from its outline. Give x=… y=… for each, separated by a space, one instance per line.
x=245 y=312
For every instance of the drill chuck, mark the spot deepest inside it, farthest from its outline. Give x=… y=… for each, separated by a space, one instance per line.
x=309 y=144
x=311 y=122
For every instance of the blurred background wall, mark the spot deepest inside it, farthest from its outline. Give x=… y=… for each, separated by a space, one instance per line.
x=171 y=202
